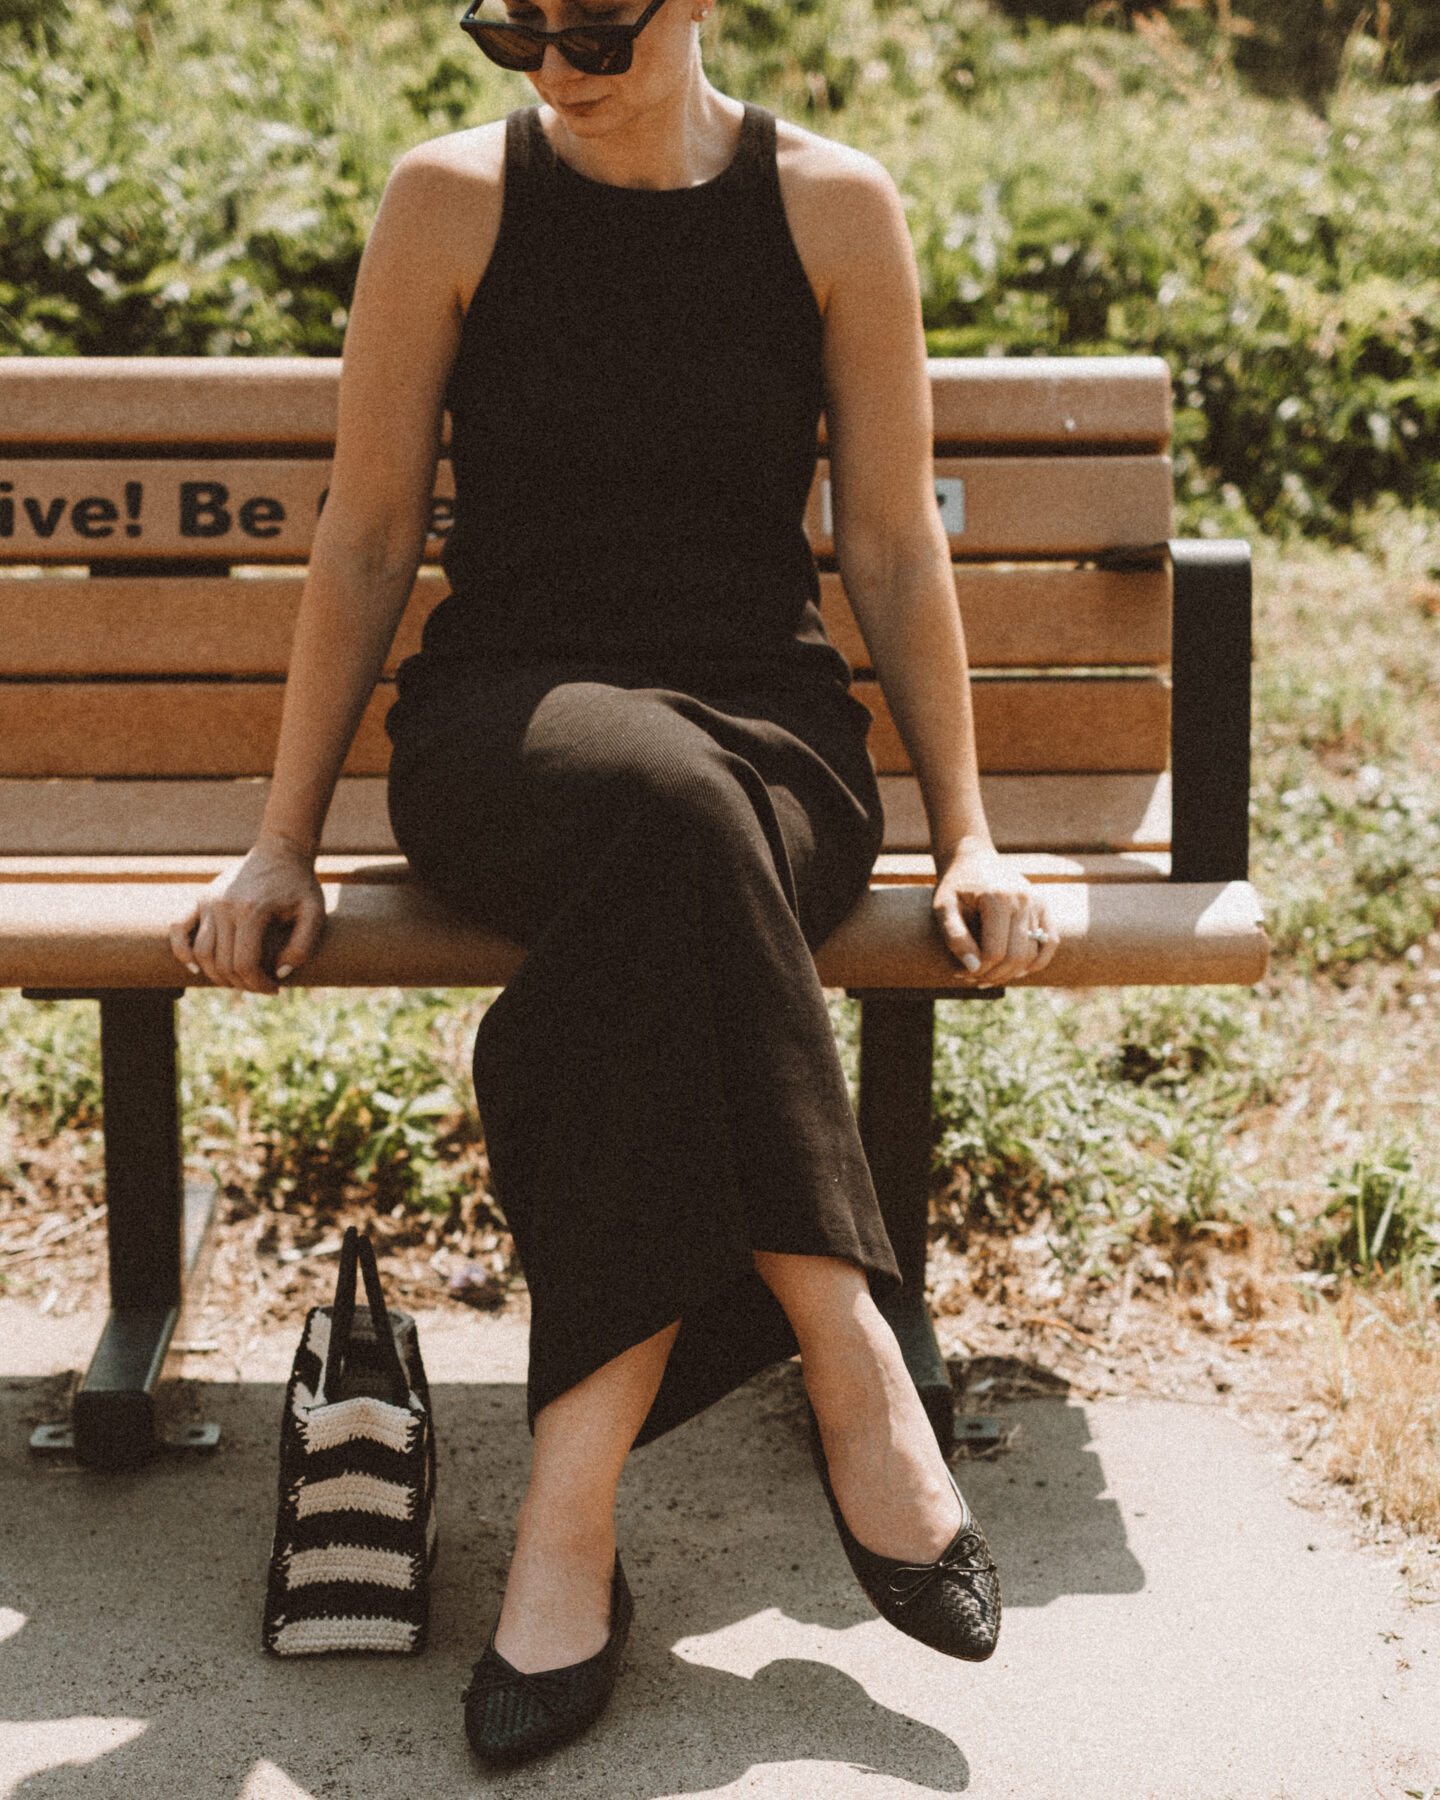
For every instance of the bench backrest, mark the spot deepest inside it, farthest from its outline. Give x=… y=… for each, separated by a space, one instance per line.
x=155 y=515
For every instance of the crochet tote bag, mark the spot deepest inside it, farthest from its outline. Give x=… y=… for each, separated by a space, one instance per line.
x=355 y=1532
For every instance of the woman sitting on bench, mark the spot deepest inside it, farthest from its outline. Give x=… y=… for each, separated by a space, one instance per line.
x=627 y=744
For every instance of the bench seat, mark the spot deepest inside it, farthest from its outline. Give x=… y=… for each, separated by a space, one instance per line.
x=385 y=931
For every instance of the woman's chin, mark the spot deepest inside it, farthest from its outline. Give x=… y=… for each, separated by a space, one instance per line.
x=580 y=114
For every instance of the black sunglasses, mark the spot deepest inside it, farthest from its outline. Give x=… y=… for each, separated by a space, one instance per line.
x=593 y=49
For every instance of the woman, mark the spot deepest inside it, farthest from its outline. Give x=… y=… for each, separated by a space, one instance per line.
x=627 y=743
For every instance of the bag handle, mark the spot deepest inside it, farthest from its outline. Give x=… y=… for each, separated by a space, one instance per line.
x=356 y=1250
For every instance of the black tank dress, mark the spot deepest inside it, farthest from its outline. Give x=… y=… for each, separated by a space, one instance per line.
x=627 y=743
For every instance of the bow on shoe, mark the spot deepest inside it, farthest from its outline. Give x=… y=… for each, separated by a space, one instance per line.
x=968 y=1554
x=550 y=1687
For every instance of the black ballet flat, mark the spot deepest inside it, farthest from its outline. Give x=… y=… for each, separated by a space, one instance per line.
x=951 y=1604
x=511 y=1717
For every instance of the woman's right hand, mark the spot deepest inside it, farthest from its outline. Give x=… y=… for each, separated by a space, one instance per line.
x=224 y=933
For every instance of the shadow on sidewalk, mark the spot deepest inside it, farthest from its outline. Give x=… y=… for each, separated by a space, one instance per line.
x=132 y=1664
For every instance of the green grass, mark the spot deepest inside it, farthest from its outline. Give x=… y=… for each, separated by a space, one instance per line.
x=323 y=1098
x=1156 y=1116
x=316 y=1101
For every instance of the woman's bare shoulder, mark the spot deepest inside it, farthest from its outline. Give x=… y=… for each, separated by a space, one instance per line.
x=470 y=161
x=810 y=157
x=841 y=204
x=443 y=203
x=820 y=166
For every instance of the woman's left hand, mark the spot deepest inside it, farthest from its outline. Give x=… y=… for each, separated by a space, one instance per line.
x=994 y=922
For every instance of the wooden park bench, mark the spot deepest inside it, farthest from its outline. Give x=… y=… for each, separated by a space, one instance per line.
x=154 y=517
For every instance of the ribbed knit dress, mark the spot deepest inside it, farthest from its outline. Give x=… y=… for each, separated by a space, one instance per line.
x=627 y=744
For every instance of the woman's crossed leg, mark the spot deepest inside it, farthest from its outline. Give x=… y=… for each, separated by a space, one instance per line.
x=885 y=1465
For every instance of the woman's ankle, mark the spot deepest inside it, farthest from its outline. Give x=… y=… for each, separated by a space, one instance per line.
x=885 y=1467
x=575 y=1533
x=556 y=1609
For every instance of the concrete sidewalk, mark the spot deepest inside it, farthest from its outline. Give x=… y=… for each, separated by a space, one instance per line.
x=1176 y=1627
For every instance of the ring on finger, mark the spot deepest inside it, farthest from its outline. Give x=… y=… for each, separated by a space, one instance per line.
x=1039 y=935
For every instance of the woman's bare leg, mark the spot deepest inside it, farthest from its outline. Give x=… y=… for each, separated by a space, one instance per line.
x=885 y=1466
x=557 y=1598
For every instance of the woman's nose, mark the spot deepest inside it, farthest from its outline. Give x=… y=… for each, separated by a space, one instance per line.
x=555 y=67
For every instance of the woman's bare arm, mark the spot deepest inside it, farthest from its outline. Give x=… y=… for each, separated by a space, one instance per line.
x=891 y=546
x=432 y=238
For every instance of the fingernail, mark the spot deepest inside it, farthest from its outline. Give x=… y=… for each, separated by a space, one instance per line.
x=284 y=970
x=194 y=968
x=970 y=962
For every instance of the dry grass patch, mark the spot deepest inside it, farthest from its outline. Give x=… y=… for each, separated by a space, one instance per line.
x=1378 y=1362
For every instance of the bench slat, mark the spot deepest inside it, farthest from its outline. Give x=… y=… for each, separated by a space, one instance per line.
x=168 y=399
x=137 y=818
x=177 y=728
x=1113 y=400
x=1070 y=400
x=1063 y=812
x=1049 y=616
x=140 y=818
x=1048 y=726
x=94 y=935
x=1046 y=616
x=1120 y=935
x=918 y=869
x=138 y=728
x=1037 y=505
x=171 y=625
x=257 y=510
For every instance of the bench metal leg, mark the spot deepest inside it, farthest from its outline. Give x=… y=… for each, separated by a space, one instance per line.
x=897 y=1057
x=152 y=1241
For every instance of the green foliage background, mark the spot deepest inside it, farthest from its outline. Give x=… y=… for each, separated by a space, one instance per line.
x=199 y=178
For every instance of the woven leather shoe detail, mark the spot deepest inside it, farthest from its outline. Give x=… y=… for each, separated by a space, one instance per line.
x=511 y=1717
x=951 y=1605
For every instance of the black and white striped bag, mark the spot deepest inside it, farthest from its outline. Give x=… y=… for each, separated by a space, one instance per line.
x=355 y=1535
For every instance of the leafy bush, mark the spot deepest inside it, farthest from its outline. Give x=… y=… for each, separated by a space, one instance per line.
x=201 y=179
x=1105 y=193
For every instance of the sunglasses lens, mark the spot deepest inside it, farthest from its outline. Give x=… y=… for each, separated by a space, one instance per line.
x=597 y=52
x=509 y=45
